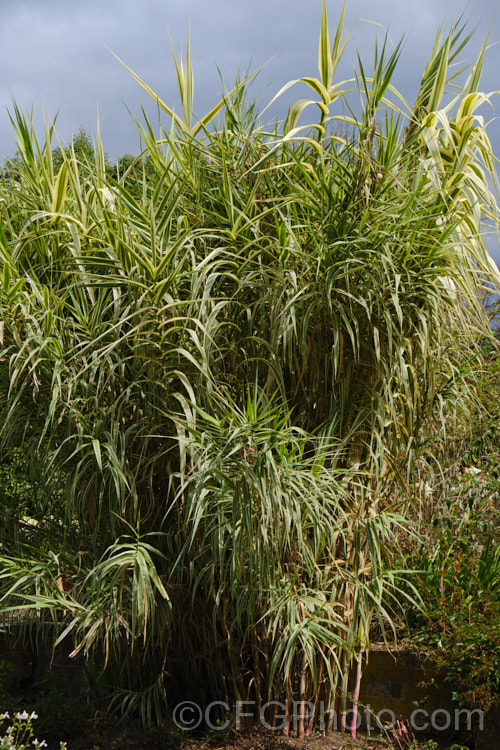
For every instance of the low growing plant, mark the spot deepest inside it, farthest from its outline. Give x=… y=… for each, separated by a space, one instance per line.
x=19 y=734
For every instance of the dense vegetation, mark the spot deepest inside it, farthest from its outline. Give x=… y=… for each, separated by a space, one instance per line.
x=225 y=368
x=458 y=550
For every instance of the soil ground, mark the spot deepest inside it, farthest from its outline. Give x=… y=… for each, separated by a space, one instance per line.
x=252 y=739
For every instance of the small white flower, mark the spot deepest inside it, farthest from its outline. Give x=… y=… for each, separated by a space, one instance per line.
x=5 y=715
x=23 y=717
x=33 y=715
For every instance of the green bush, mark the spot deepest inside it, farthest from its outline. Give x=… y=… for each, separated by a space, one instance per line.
x=232 y=374
x=459 y=560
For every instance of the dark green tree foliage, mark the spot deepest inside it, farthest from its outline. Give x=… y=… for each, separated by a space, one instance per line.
x=81 y=148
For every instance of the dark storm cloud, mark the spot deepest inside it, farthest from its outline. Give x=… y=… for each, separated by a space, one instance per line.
x=54 y=54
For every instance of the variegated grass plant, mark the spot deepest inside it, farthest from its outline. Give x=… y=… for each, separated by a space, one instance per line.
x=232 y=374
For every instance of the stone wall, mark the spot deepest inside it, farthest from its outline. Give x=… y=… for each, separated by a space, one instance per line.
x=398 y=685
x=405 y=685
x=403 y=682
x=26 y=666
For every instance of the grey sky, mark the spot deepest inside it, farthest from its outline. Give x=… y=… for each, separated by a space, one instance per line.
x=55 y=54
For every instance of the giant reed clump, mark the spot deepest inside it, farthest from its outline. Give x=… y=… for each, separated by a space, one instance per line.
x=232 y=371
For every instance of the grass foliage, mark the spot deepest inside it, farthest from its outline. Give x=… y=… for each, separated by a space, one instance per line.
x=226 y=372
